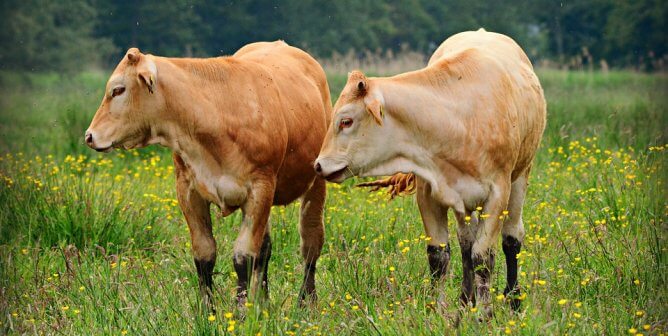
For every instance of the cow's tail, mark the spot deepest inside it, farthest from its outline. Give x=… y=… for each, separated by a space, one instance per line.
x=398 y=184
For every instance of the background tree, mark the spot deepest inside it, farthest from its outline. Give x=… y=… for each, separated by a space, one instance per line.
x=66 y=35
x=49 y=35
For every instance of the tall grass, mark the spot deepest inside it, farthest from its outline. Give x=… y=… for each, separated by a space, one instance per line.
x=95 y=244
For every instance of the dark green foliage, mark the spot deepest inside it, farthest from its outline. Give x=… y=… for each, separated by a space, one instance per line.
x=66 y=35
x=49 y=35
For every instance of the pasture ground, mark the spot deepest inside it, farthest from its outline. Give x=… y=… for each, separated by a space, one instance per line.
x=96 y=244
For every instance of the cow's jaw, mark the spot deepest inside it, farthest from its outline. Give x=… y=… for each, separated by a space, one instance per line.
x=339 y=175
x=391 y=167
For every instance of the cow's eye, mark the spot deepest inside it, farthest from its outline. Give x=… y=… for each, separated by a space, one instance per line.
x=345 y=123
x=117 y=91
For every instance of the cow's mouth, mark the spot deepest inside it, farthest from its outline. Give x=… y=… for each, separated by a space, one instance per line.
x=105 y=149
x=338 y=176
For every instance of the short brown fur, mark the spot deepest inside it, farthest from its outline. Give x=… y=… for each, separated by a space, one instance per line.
x=244 y=130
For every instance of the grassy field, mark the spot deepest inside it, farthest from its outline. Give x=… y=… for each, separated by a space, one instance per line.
x=96 y=244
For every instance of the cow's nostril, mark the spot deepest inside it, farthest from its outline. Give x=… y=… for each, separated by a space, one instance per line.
x=318 y=168
x=89 y=138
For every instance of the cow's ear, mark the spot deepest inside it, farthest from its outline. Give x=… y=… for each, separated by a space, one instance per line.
x=148 y=79
x=361 y=86
x=133 y=55
x=375 y=108
x=147 y=73
x=360 y=82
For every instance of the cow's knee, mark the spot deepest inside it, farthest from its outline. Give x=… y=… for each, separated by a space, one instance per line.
x=204 y=255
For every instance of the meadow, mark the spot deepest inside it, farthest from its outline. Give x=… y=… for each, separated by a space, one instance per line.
x=95 y=244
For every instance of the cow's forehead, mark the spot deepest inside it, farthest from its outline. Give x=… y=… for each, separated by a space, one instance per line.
x=346 y=98
x=346 y=107
x=116 y=78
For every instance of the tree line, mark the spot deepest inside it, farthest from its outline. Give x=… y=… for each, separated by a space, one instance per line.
x=42 y=35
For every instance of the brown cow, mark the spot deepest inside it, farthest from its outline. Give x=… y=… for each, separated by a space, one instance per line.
x=244 y=131
x=468 y=126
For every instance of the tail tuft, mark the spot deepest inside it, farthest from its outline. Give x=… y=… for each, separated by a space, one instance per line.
x=398 y=184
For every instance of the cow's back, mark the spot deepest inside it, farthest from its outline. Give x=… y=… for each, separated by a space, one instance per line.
x=304 y=104
x=498 y=61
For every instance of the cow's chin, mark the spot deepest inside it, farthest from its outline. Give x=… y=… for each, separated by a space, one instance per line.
x=339 y=175
x=128 y=146
x=104 y=149
x=138 y=141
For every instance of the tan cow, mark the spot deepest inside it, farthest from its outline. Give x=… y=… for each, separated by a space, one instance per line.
x=468 y=125
x=244 y=131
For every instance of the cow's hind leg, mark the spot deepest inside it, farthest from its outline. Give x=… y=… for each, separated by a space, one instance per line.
x=312 y=232
x=196 y=211
x=513 y=235
x=252 y=248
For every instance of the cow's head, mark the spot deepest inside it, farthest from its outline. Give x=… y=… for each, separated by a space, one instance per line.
x=360 y=136
x=131 y=101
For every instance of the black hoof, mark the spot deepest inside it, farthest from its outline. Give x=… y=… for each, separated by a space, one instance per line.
x=307 y=299
x=512 y=296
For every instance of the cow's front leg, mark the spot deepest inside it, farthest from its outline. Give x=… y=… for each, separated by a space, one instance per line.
x=466 y=225
x=252 y=248
x=435 y=220
x=482 y=252
x=196 y=211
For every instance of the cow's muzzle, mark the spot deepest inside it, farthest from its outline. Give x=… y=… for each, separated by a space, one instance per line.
x=337 y=175
x=90 y=142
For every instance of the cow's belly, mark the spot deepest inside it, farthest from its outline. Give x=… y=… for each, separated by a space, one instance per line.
x=294 y=179
x=296 y=174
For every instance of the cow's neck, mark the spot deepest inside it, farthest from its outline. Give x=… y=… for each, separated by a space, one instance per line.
x=418 y=129
x=421 y=130
x=191 y=127
x=186 y=116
